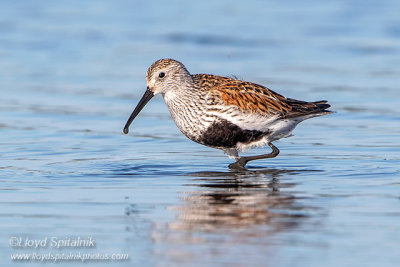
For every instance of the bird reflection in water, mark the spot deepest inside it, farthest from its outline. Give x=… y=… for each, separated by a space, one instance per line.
x=238 y=200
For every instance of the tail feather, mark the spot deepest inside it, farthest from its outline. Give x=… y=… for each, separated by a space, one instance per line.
x=322 y=106
x=302 y=108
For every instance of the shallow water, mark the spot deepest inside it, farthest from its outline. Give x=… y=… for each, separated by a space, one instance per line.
x=71 y=75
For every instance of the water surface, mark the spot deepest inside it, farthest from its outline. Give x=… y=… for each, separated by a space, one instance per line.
x=71 y=75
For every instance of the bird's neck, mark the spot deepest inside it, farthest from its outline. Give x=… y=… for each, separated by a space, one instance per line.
x=185 y=109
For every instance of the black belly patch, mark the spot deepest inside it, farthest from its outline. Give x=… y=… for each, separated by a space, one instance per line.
x=227 y=135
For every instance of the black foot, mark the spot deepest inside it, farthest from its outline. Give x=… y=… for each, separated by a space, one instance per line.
x=239 y=164
x=242 y=161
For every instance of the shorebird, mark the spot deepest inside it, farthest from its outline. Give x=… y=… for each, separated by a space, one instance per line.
x=225 y=113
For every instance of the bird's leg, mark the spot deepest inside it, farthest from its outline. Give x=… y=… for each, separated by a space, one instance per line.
x=242 y=161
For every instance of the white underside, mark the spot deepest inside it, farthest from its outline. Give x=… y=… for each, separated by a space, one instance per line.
x=278 y=128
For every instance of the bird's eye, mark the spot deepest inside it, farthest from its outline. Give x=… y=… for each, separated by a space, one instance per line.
x=161 y=75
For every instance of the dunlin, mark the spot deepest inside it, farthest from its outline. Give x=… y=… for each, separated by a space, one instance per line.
x=225 y=113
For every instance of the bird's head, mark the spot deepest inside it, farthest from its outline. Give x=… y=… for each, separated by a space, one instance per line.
x=165 y=76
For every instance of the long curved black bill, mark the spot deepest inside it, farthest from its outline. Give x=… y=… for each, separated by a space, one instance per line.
x=145 y=98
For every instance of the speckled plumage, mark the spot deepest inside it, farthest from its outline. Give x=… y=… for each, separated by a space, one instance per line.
x=225 y=113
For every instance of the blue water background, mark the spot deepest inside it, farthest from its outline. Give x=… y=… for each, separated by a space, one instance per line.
x=72 y=71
